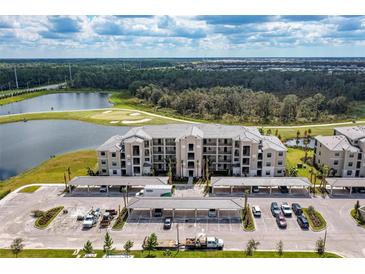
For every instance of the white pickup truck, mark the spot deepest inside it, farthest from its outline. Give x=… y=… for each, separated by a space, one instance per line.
x=201 y=241
x=91 y=218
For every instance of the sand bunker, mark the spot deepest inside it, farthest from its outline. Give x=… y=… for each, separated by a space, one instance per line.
x=136 y=121
x=108 y=111
x=135 y=114
x=114 y=122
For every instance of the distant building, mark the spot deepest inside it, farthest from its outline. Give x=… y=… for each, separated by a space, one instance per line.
x=343 y=152
x=228 y=150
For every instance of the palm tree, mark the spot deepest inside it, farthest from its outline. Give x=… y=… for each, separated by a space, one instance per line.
x=252 y=245
x=88 y=248
x=108 y=244
x=357 y=211
x=127 y=246
x=151 y=243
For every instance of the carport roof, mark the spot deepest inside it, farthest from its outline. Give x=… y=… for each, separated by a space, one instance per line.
x=185 y=203
x=118 y=180
x=346 y=182
x=260 y=181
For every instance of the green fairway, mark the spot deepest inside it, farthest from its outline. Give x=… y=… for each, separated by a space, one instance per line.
x=52 y=171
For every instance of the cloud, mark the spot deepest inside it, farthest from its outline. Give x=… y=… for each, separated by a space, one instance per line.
x=64 y=24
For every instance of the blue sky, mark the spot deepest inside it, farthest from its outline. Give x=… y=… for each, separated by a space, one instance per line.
x=181 y=36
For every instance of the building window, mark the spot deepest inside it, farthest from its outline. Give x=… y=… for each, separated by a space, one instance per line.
x=102 y=153
x=103 y=162
x=136 y=161
x=245 y=161
x=350 y=163
x=351 y=155
x=281 y=153
x=349 y=172
x=115 y=172
x=137 y=170
x=280 y=171
x=146 y=143
x=268 y=164
x=280 y=163
x=147 y=159
x=114 y=164
x=191 y=147
x=268 y=155
x=319 y=153
x=336 y=154
x=335 y=162
x=268 y=173
x=114 y=154
x=103 y=170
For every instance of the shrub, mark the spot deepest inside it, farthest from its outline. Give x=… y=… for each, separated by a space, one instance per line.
x=38 y=213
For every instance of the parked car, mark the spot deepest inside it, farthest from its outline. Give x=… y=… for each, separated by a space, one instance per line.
x=212 y=213
x=255 y=189
x=256 y=211
x=283 y=189
x=285 y=208
x=157 y=212
x=358 y=189
x=103 y=188
x=167 y=223
x=303 y=222
x=281 y=221
x=297 y=209
x=275 y=210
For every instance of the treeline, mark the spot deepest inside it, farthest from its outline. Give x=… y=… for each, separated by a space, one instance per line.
x=238 y=104
x=131 y=75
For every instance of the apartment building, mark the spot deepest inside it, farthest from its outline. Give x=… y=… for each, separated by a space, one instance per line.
x=342 y=152
x=188 y=148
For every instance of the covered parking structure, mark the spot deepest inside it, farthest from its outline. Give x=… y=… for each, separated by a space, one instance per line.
x=187 y=204
x=267 y=182
x=348 y=182
x=126 y=181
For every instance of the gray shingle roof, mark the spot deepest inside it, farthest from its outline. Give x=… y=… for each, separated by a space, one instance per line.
x=336 y=143
x=353 y=133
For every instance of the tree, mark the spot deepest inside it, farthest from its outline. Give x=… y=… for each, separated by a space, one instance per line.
x=169 y=171
x=280 y=248
x=151 y=243
x=357 y=211
x=127 y=246
x=88 y=248
x=17 y=246
x=108 y=244
x=90 y=172
x=252 y=245
x=320 y=246
x=289 y=108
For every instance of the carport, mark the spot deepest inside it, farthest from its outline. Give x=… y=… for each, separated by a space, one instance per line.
x=126 y=181
x=267 y=182
x=345 y=182
x=188 y=204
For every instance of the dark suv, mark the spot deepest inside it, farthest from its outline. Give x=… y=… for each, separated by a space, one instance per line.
x=283 y=189
x=303 y=222
x=297 y=209
x=167 y=223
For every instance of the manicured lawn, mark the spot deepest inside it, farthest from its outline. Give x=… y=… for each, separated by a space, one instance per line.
x=321 y=221
x=38 y=253
x=29 y=189
x=52 y=170
x=295 y=156
x=230 y=254
x=45 y=220
x=359 y=222
x=67 y=253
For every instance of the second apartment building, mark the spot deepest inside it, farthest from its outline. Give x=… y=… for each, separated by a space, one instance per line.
x=343 y=152
x=228 y=150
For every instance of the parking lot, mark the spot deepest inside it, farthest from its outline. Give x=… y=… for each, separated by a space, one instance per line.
x=343 y=236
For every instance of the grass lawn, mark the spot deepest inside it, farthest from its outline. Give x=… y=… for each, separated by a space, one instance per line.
x=67 y=253
x=22 y=97
x=52 y=170
x=29 y=189
x=230 y=254
x=295 y=156
x=359 y=222
x=322 y=222
x=38 y=253
x=45 y=220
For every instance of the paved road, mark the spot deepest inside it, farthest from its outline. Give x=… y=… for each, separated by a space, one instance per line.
x=344 y=236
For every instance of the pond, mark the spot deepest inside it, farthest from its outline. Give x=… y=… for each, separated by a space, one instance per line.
x=58 y=102
x=300 y=143
x=26 y=145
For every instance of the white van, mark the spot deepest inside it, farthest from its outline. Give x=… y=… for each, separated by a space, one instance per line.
x=155 y=191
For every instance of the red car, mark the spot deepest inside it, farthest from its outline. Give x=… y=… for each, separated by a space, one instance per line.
x=280 y=220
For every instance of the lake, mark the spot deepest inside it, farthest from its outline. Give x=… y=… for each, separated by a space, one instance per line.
x=59 y=102
x=300 y=143
x=26 y=145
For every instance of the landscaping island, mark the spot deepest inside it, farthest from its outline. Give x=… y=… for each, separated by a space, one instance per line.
x=315 y=219
x=47 y=217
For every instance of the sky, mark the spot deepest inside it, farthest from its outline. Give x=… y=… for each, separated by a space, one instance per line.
x=181 y=36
